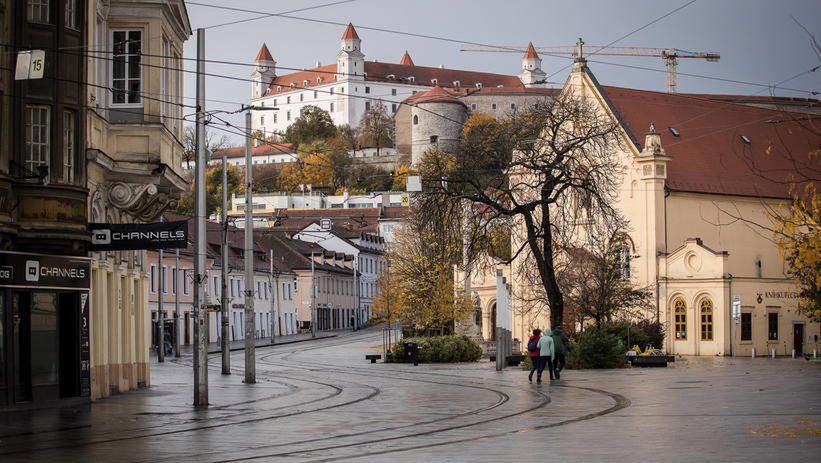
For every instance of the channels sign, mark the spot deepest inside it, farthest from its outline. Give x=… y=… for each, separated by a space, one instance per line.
x=118 y=237
x=44 y=271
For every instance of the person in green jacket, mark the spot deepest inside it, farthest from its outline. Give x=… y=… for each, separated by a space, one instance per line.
x=560 y=343
x=546 y=353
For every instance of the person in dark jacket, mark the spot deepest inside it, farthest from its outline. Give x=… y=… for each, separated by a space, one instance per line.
x=533 y=352
x=560 y=343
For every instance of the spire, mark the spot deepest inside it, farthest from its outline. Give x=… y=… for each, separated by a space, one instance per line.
x=406 y=59
x=530 y=53
x=264 y=54
x=350 y=33
x=652 y=142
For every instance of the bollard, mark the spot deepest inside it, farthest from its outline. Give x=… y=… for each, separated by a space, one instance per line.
x=773 y=352
x=793 y=353
x=753 y=352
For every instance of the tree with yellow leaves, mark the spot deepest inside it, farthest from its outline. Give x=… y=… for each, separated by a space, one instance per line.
x=798 y=234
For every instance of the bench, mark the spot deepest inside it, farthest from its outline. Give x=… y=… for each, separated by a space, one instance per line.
x=373 y=357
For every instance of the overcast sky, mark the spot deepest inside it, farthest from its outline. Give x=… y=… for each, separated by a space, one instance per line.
x=758 y=39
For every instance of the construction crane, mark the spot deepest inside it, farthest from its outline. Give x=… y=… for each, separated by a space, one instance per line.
x=670 y=56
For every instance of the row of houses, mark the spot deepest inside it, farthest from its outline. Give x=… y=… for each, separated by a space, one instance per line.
x=340 y=266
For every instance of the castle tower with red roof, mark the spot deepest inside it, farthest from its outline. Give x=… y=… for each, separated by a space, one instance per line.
x=264 y=72
x=532 y=74
x=350 y=62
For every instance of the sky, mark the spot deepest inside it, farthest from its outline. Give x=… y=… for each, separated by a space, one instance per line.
x=759 y=40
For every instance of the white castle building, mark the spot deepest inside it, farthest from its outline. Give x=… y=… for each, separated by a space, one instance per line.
x=349 y=87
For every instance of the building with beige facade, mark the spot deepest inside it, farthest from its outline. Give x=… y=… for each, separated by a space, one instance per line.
x=134 y=155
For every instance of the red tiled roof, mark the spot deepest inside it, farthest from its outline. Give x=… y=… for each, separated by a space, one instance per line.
x=350 y=33
x=434 y=95
x=379 y=72
x=406 y=59
x=709 y=155
x=261 y=150
x=264 y=54
x=530 y=53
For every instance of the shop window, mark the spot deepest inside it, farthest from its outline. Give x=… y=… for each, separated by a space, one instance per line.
x=680 y=310
x=746 y=326
x=772 y=326
x=706 y=320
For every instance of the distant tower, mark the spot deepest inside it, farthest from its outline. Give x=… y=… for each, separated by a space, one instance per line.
x=532 y=74
x=436 y=118
x=350 y=62
x=264 y=72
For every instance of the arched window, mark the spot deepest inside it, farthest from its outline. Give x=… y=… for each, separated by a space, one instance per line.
x=706 y=319
x=680 y=310
x=415 y=120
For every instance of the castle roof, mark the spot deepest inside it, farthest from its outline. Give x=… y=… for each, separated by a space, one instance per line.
x=435 y=95
x=264 y=54
x=406 y=59
x=350 y=33
x=530 y=53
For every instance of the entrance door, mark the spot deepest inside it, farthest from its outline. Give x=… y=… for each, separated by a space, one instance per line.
x=798 y=338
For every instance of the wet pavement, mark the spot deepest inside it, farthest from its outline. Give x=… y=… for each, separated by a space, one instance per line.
x=320 y=400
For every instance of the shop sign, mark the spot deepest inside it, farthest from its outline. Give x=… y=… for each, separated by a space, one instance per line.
x=118 y=237
x=776 y=295
x=44 y=271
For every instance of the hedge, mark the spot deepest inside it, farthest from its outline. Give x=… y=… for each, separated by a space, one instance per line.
x=440 y=349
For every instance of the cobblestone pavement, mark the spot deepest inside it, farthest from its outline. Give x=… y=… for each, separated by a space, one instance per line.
x=321 y=401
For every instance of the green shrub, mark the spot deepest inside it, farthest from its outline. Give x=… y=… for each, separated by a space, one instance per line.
x=644 y=333
x=596 y=348
x=441 y=349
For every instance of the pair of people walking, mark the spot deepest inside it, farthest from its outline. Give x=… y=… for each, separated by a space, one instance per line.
x=547 y=351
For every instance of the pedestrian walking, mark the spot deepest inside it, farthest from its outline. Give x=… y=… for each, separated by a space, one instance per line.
x=533 y=352
x=545 y=346
x=560 y=343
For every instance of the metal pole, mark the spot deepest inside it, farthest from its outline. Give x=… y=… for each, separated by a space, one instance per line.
x=273 y=284
x=313 y=299
x=160 y=312
x=200 y=333
x=225 y=323
x=357 y=322
x=176 y=286
x=248 y=257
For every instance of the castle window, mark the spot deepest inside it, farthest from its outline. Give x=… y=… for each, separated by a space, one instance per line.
x=367 y=106
x=367 y=90
x=288 y=100
x=415 y=120
x=292 y=85
x=393 y=91
x=473 y=106
x=319 y=80
x=392 y=76
x=457 y=84
x=706 y=319
x=301 y=97
x=393 y=108
x=493 y=106
x=315 y=94
x=434 y=139
x=411 y=79
x=478 y=85
x=680 y=311
x=305 y=83
x=288 y=115
x=512 y=105
x=434 y=81
x=332 y=107
x=279 y=88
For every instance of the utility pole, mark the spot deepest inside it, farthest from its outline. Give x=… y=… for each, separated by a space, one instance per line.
x=272 y=284
x=160 y=311
x=200 y=332
x=357 y=322
x=248 y=257
x=313 y=299
x=225 y=322
x=176 y=286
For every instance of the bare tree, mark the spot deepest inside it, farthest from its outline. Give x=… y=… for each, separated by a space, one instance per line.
x=551 y=170
x=189 y=142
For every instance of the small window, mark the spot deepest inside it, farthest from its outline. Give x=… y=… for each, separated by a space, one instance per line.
x=332 y=107
x=279 y=88
x=393 y=91
x=292 y=85
x=71 y=19
x=301 y=97
x=393 y=108
x=38 y=11
x=367 y=90
x=680 y=311
x=315 y=94
x=262 y=120
x=288 y=100
x=434 y=139
x=746 y=326
x=473 y=106
x=434 y=81
x=415 y=120
x=411 y=79
x=493 y=106
x=675 y=132
x=367 y=106
x=626 y=256
x=319 y=80
x=478 y=85
x=69 y=146
x=457 y=84
x=772 y=326
x=288 y=115
x=275 y=101
x=332 y=90
x=512 y=105
x=706 y=320
x=305 y=83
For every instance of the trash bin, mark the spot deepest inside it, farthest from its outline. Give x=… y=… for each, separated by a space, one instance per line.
x=411 y=352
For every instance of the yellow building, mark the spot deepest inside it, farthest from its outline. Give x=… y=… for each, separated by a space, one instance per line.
x=134 y=158
x=701 y=173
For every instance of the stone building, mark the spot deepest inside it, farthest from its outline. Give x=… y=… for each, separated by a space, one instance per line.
x=134 y=157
